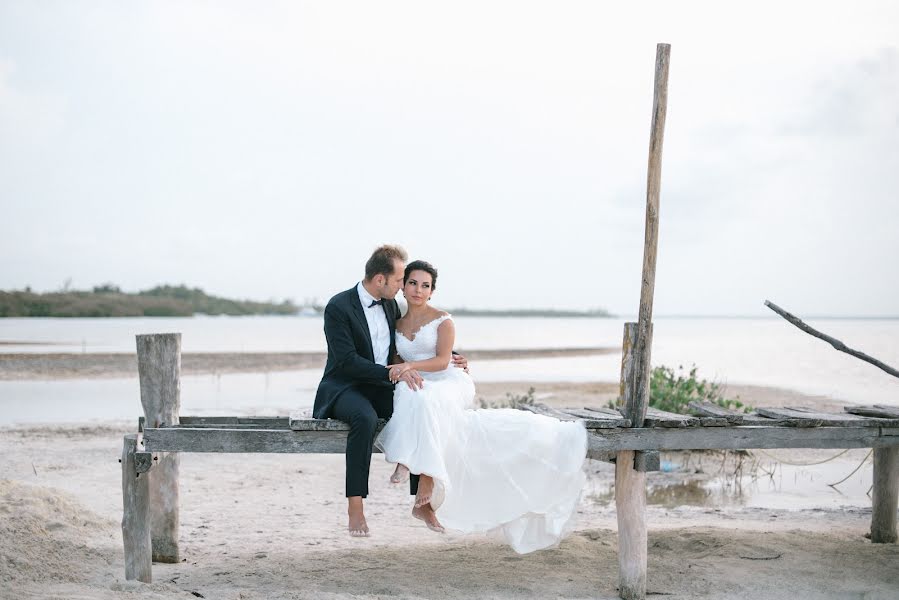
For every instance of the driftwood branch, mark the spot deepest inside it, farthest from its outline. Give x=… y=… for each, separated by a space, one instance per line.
x=837 y=344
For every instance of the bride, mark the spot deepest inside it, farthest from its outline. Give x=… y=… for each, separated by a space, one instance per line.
x=508 y=472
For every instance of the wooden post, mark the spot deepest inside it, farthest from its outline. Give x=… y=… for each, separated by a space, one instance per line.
x=630 y=485
x=135 y=516
x=886 y=495
x=159 y=367
x=630 y=489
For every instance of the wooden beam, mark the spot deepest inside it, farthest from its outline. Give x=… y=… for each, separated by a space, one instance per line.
x=159 y=368
x=135 y=516
x=279 y=441
x=740 y=438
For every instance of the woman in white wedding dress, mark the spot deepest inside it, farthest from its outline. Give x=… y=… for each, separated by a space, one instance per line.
x=510 y=472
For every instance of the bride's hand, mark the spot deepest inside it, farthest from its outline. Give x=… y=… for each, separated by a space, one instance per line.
x=412 y=379
x=396 y=371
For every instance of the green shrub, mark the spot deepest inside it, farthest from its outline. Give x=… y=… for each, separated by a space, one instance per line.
x=673 y=392
x=512 y=400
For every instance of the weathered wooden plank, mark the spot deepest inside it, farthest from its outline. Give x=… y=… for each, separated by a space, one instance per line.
x=710 y=409
x=810 y=418
x=185 y=439
x=307 y=424
x=593 y=420
x=876 y=410
x=135 y=516
x=840 y=419
x=661 y=418
x=713 y=421
x=159 y=370
x=738 y=438
x=274 y=422
x=616 y=416
x=886 y=495
x=542 y=409
x=285 y=425
x=756 y=419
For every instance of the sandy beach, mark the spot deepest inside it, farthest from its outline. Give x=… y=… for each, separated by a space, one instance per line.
x=272 y=526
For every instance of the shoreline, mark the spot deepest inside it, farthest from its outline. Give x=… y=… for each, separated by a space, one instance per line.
x=42 y=366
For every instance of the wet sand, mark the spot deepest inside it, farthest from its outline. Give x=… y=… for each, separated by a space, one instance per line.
x=25 y=366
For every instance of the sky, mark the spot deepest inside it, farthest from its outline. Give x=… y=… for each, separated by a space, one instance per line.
x=264 y=149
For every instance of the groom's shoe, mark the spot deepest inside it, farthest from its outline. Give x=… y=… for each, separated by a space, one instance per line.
x=426 y=513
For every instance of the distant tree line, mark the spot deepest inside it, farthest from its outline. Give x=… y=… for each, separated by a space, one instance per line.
x=108 y=300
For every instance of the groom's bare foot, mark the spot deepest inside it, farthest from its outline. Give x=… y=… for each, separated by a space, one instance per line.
x=357 y=526
x=425 y=489
x=426 y=513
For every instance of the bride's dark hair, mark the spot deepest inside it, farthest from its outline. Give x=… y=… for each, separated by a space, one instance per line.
x=421 y=265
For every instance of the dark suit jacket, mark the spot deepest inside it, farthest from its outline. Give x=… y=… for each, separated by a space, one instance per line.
x=350 y=355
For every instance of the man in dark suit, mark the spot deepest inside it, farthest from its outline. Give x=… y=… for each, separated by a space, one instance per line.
x=360 y=327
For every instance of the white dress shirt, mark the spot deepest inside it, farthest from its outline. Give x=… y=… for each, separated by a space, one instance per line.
x=377 y=325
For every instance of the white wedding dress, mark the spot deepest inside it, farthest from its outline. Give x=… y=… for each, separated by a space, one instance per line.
x=509 y=472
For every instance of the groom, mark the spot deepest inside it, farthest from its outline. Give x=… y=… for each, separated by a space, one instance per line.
x=360 y=328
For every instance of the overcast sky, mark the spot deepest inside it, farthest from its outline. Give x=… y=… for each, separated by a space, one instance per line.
x=263 y=149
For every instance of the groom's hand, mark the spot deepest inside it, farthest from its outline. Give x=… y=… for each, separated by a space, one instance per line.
x=412 y=379
x=460 y=362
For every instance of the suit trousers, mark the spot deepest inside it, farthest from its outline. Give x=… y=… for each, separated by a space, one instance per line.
x=360 y=407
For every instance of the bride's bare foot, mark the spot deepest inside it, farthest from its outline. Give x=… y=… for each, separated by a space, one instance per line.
x=400 y=475
x=357 y=526
x=426 y=513
x=425 y=489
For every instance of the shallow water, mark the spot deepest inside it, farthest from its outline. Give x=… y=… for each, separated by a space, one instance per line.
x=764 y=482
x=766 y=352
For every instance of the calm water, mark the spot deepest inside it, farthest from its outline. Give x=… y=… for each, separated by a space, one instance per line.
x=767 y=352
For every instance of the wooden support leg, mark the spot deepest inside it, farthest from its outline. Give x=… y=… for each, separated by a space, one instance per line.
x=630 y=504
x=886 y=495
x=159 y=368
x=135 y=516
x=164 y=507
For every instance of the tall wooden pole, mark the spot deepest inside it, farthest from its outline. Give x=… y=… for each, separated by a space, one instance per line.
x=159 y=368
x=630 y=485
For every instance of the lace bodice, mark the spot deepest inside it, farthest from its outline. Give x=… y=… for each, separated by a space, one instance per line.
x=424 y=344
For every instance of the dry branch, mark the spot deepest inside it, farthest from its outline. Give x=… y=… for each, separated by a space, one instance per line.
x=837 y=344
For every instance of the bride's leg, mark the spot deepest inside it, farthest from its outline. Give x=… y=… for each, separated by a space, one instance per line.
x=425 y=489
x=401 y=474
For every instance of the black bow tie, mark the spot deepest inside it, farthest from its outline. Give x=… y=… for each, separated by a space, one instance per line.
x=375 y=302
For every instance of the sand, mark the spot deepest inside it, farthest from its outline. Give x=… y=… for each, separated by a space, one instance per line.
x=271 y=526
x=44 y=366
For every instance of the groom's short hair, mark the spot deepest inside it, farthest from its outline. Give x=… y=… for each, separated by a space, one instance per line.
x=382 y=261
